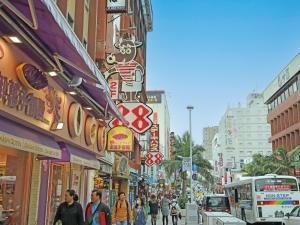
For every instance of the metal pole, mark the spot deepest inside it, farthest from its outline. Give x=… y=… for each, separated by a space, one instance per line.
x=190 y=108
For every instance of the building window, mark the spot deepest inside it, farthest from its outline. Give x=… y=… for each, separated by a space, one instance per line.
x=85 y=44
x=70 y=21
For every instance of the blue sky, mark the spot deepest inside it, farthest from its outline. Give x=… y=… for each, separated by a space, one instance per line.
x=212 y=53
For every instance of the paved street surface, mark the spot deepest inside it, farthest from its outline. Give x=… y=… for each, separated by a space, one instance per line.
x=159 y=221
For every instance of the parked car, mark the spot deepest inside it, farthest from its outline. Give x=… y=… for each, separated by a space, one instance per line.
x=292 y=218
x=215 y=203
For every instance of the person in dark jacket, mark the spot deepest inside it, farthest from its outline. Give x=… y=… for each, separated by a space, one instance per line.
x=97 y=213
x=69 y=212
x=153 y=204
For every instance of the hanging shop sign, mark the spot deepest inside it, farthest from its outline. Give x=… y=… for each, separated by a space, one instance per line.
x=153 y=158
x=137 y=115
x=116 y=6
x=128 y=69
x=154 y=138
x=120 y=139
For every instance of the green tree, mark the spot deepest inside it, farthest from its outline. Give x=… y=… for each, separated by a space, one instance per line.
x=280 y=162
x=182 y=148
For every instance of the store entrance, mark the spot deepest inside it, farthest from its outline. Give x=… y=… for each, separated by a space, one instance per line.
x=15 y=176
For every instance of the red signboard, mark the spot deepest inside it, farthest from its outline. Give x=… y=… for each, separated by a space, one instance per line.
x=154 y=158
x=137 y=114
x=154 y=138
x=114 y=85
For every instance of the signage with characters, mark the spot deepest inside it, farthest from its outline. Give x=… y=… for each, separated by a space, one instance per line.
x=137 y=115
x=129 y=70
x=116 y=6
x=120 y=139
x=154 y=138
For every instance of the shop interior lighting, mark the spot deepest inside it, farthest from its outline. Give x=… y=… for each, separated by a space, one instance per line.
x=60 y=126
x=88 y=108
x=15 y=39
x=52 y=73
x=72 y=92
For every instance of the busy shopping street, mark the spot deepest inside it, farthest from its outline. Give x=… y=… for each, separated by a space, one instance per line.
x=149 y=112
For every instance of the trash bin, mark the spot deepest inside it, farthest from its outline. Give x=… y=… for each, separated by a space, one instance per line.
x=229 y=221
x=209 y=216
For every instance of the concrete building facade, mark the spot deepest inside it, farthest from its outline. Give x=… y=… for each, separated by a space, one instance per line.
x=243 y=131
x=208 y=136
x=158 y=102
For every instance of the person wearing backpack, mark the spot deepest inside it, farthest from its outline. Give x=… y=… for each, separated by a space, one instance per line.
x=153 y=204
x=97 y=213
x=121 y=212
x=175 y=211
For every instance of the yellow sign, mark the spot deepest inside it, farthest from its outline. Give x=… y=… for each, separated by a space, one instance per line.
x=120 y=139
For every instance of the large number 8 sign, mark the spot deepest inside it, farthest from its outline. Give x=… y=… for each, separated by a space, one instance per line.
x=137 y=115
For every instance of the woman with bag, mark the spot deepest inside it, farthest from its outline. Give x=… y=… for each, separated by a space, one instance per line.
x=69 y=212
x=139 y=213
x=175 y=212
x=153 y=204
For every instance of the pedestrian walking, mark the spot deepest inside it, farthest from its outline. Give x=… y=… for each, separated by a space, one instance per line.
x=165 y=209
x=97 y=213
x=175 y=212
x=139 y=213
x=153 y=204
x=69 y=212
x=121 y=213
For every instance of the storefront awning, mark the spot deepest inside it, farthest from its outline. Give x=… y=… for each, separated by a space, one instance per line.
x=78 y=156
x=22 y=138
x=48 y=26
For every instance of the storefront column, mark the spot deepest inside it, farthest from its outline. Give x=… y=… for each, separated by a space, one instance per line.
x=43 y=192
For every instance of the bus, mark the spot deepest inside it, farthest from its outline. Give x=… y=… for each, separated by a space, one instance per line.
x=263 y=199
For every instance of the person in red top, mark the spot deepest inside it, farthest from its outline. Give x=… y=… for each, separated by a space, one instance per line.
x=97 y=213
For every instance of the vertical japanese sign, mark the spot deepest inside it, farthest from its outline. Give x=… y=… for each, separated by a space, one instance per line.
x=154 y=138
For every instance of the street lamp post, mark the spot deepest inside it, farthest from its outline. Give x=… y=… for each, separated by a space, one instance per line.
x=190 y=108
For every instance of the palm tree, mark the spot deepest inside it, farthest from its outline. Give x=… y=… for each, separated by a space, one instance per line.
x=171 y=167
x=280 y=162
x=182 y=148
x=284 y=160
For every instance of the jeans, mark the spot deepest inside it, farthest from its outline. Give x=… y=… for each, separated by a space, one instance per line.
x=174 y=220
x=122 y=222
x=165 y=218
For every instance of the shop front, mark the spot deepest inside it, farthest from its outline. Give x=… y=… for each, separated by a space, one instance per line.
x=120 y=178
x=102 y=178
x=48 y=141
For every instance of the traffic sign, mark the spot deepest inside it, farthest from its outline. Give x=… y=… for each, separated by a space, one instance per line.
x=136 y=114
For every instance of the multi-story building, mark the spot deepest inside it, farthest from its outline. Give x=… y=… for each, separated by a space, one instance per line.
x=208 y=135
x=283 y=99
x=55 y=103
x=243 y=131
x=158 y=102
